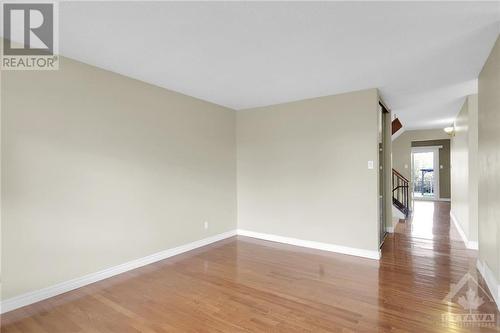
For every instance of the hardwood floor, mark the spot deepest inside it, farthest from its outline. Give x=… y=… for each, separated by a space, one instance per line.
x=247 y=285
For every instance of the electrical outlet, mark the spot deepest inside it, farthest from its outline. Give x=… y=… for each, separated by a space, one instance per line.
x=205 y=225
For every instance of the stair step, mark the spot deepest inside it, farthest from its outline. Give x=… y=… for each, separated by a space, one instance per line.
x=400 y=206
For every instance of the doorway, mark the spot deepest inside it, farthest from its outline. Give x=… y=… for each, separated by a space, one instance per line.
x=425 y=173
x=384 y=167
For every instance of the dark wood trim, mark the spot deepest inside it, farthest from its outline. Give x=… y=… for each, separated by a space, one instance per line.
x=396 y=125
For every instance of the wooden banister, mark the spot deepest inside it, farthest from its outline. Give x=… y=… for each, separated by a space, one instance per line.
x=401 y=192
x=400 y=175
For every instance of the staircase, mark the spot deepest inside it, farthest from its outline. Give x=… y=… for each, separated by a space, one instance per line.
x=400 y=193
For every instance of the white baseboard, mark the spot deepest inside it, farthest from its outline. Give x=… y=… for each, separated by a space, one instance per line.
x=472 y=245
x=312 y=244
x=491 y=281
x=60 y=288
x=389 y=229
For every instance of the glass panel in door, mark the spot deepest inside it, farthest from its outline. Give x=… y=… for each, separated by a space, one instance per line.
x=424 y=175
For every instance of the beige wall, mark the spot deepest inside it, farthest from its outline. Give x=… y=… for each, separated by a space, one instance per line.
x=401 y=154
x=464 y=197
x=489 y=161
x=302 y=169
x=99 y=169
x=472 y=102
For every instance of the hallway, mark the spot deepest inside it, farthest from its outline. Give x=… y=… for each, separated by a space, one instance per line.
x=429 y=256
x=247 y=285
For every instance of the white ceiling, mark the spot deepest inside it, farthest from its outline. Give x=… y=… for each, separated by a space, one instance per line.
x=424 y=57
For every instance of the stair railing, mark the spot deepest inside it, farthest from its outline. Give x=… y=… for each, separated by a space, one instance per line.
x=400 y=192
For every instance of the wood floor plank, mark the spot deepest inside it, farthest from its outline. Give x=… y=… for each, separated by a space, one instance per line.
x=248 y=285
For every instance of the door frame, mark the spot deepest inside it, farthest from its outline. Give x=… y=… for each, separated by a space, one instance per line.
x=384 y=155
x=437 y=170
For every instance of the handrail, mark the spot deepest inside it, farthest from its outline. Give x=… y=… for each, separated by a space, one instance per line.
x=400 y=192
x=398 y=187
x=400 y=175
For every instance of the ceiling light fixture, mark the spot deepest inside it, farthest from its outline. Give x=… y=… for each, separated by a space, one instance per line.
x=450 y=130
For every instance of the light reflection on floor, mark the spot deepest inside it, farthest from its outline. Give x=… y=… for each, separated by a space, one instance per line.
x=423 y=219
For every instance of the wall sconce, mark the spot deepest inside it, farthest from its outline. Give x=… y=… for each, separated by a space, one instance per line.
x=450 y=130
